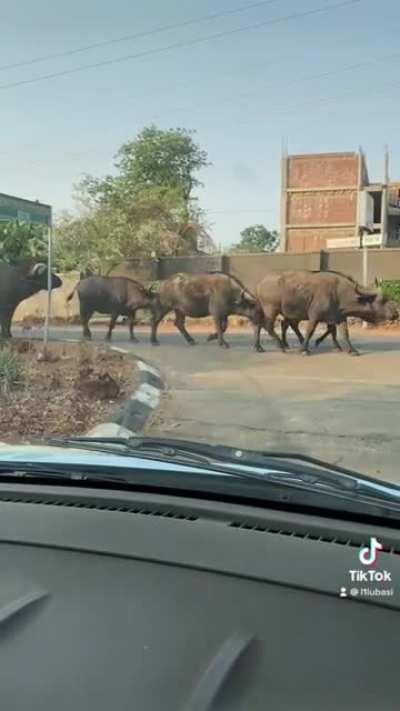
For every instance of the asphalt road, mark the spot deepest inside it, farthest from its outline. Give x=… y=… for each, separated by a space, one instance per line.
x=340 y=408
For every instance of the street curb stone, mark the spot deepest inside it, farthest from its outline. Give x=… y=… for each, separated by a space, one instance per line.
x=134 y=413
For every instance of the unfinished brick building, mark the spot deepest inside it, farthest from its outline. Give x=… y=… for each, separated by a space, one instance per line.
x=328 y=202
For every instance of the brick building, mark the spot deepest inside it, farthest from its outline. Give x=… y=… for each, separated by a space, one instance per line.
x=328 y=202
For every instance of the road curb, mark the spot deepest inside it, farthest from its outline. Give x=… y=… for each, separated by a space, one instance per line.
x=133 y=414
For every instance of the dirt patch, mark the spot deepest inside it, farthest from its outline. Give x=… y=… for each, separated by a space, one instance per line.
x=66 y=391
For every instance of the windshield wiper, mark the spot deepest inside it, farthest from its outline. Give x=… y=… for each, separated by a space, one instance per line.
x=34 y=471
x=283 y=468
x=259 y=477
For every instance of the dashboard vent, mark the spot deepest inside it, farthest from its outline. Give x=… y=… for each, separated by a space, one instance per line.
x=341 y=540
x=105 y=506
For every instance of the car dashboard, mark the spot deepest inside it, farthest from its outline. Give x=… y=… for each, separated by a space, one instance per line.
x=128 y=600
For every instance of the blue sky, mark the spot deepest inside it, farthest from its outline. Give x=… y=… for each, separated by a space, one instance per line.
x=325 y=82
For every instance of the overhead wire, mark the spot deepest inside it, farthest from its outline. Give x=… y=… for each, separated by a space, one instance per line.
x=183 y=44
x=139 y=35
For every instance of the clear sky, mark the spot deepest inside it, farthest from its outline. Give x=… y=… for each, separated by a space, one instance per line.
x=324 y=82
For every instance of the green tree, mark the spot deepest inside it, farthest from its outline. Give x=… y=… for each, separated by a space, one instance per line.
x=257 y=238
x=154 y=222
x=22 y=241
x=147 y=207
x=167 y=159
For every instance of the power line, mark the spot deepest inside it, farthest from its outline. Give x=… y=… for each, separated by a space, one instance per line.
x=244 y=95
x=347 y=68
x=181 y=45
x=139 y=35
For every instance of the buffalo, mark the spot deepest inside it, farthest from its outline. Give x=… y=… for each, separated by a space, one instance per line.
x=331 y=329
x=213 y=294
x=327 y=297
x=116 y=296
x=18 y=284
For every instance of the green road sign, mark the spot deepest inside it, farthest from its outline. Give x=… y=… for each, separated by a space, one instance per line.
x=14 y=208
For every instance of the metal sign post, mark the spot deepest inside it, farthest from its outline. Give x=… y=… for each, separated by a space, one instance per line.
x=49 y=280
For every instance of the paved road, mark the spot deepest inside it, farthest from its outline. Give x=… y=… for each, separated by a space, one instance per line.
x=331 y=405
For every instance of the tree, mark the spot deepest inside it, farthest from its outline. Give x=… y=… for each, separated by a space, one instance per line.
x=155 y=158
x=257 y=238
x=147 y=207
x=100 y=236
x=22 y=242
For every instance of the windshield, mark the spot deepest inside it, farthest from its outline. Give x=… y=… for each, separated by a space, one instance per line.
x=193 y=244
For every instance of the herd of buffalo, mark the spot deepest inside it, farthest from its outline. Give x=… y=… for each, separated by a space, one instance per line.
x=317 y=297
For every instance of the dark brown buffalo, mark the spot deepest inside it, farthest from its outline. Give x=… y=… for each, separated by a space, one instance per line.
x=331 y=329
x=213 y=294
x=117 y=296
x=17 y=284
x=327 y=297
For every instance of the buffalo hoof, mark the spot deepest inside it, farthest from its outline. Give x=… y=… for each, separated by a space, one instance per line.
x=224 y=344
x=304 y=353
x=259 y=349
x=354 y=353
x=191 y=343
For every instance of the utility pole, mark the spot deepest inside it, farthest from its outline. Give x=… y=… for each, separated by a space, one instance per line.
x=385 y=198
x=49 y=281
x=284 y=180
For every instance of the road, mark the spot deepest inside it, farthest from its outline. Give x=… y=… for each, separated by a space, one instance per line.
x=340 y=408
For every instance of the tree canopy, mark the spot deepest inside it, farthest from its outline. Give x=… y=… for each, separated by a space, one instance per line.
x=22 y=241
x=257 y=238
x=146 y=208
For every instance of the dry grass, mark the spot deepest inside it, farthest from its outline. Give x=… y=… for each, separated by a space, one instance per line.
x=65 y=391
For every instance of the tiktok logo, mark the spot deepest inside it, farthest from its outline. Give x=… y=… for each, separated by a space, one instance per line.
x=369 y=554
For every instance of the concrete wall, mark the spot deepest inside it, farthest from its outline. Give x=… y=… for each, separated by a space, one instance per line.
x=249 y=268
x=192 y=265
x=145 y=270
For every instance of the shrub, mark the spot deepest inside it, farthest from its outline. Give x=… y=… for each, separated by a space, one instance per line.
x=391 y=288
x=11 y=370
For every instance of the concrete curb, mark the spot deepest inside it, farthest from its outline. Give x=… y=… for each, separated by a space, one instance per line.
x=134 y=413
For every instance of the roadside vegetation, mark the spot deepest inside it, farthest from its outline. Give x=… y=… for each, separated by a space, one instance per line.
x=22 y=242
x=391 y=288
x=147 y=208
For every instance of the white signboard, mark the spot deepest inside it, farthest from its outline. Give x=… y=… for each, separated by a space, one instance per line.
x=372 y=240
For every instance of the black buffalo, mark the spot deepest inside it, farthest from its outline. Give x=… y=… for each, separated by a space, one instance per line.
x=117 y=296
x=18 y=284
